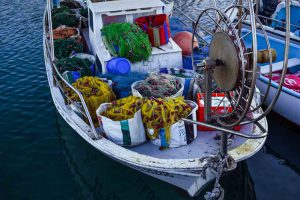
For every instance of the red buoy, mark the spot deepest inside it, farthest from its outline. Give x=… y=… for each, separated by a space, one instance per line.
x=184 y=41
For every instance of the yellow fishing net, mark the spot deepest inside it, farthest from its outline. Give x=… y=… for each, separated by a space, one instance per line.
x=163 y=113
x=123 y=109
x=94 y=92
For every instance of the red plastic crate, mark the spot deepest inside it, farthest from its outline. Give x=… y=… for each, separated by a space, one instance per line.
x=216 y=97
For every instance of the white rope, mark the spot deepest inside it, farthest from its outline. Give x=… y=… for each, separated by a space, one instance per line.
x=217 y=192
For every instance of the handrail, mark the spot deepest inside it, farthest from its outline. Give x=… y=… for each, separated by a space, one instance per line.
x=49 y=52
x=50 y=28
x=263 y=135
x=276 y=20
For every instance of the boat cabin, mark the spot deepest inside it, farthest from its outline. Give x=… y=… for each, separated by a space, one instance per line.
x=105 y=13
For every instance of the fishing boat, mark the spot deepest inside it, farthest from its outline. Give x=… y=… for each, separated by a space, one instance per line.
x=275 y=23
x=232 y=73
x=275 y=28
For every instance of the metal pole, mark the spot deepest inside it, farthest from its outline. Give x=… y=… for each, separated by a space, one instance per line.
x=248 y=136
x=257 y=6
x=79 y=95
x=224 y=144
x=208 y=94
x=50 y=29
x=240 y=16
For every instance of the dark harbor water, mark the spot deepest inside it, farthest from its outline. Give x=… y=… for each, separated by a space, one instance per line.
x=41 y=157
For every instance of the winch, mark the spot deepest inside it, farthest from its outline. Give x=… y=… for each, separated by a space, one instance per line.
x=232 y=68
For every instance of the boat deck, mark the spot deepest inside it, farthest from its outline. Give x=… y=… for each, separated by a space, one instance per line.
x=204 y=145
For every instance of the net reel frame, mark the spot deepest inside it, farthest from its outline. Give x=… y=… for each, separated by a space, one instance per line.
x=243 y=116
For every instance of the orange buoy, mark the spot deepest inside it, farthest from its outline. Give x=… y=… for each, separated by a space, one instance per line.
x=184 y=41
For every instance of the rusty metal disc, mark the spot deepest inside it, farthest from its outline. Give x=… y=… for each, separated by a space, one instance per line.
x=222 y=48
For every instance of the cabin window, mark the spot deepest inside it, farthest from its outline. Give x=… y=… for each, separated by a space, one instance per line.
x=91 y=20
x=137 y=15
x=113 y=19
x=98 y=64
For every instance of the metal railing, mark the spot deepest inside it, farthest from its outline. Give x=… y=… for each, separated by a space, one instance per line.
x=58 y=79
x=247 y=136
x=278 y=21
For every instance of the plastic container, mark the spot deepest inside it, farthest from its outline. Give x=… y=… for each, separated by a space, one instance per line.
x=216 y=107
x=157 y=27
x=118 y=65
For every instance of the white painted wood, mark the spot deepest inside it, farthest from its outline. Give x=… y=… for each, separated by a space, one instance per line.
x=168 y=55
x=293 y=62
x=124 y=5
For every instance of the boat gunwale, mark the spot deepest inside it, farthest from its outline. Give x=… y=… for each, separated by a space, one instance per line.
x=273 y=83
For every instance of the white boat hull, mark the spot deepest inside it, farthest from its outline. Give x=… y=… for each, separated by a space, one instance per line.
x=286 y=104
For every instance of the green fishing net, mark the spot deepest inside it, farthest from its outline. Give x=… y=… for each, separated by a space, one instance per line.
x=84 y=12
x=64 y=18
x=61 y=9
x=64 y=47
x=127 y=40
x=75 y=64
x=70 y=4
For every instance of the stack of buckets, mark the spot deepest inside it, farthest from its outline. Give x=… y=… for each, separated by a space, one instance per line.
x=118 y=65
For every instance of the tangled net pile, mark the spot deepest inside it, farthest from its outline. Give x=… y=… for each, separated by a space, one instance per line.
x=63 y=16
x=94 y=92
x=158 y=86
x=127 y=40
x=123 y=109
x=75 y=64
x=64 y=47
x=163 y=113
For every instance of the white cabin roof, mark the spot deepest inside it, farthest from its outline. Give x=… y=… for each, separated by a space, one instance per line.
x=119 y=5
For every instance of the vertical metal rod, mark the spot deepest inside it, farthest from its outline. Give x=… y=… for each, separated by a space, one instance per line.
x=208 y=94
x=240 y=16
x=257 y=6
x=224 y=144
